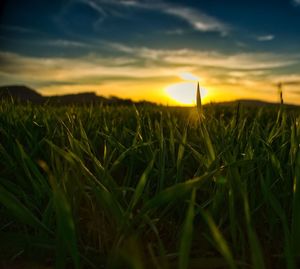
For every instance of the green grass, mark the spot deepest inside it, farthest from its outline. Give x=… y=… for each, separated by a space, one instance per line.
x=149 y=187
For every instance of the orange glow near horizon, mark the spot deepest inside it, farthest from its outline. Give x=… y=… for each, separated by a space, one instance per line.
x=161 y=84
x=169 y=81
x=178 y=93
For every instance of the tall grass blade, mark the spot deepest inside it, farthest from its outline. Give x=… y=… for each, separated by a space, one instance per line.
x=276 y=206
x=175 y=192
x=198 y=101
x=141 y=185
x=181 y=148
x=187 y=234
x=219 y=240
x=66 y=234
x=296 y=207
x=20 y=211
x=256 y=250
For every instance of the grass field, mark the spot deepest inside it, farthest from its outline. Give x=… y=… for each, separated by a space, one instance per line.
x=149 y=187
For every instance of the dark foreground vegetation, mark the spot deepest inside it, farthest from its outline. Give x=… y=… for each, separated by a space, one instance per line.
x=149 y=187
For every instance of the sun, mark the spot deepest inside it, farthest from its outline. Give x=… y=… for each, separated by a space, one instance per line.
x=184 y=93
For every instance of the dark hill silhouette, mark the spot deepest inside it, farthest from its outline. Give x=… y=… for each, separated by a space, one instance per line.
x=20 y=93
x=252 y=103
x=247 y=102
x=79 y=98
x=25 y=94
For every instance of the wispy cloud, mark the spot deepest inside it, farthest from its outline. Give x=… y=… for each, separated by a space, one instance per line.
x=65 y=43
x=47 y=42
x=213 y=59
x=265 y=37
x=199 y=20
x=141 y=63
x=21 y=30
x=79 y=70
x=177 y=31
x=104 y=75
x=286 y=79
x=296 y=2
x=146 y=68
x=16 y=28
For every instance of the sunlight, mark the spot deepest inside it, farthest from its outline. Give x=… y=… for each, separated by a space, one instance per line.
x=184 y=93
x=189 y=76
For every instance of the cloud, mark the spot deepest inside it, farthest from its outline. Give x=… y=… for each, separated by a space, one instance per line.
x=141 y=72
x=81 y=70
x=137 y=65
x=189 y=76
x=141 y=62
x=197 y=19
x=265 y=37
x=64 y=43
x=296 y=2
x=177 y=31
x=18 y=29
x=212 y=59
x=286 y=79
x=239 y=61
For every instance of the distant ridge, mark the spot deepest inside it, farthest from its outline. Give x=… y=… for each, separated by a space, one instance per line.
x=247 y=102
x=250 y=103
x=21 y=93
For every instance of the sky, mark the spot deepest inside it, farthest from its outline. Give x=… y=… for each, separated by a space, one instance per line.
x=153 y=50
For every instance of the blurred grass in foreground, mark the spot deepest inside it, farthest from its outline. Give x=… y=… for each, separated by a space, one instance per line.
x=149 y=187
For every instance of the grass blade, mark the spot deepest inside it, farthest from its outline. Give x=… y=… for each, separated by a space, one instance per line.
x=19 y=211
x=187 y=234
x=219 y=239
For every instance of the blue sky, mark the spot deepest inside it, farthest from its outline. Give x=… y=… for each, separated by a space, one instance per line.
x=139 y=49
